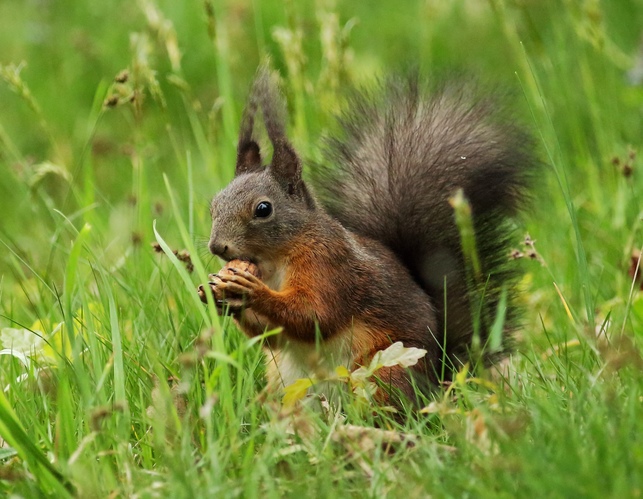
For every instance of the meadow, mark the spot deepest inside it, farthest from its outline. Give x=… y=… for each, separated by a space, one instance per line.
x=118 y=122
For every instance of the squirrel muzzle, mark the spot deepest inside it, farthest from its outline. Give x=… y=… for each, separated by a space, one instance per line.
x=219 y=248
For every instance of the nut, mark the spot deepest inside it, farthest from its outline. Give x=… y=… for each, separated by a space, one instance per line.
x=241 y=265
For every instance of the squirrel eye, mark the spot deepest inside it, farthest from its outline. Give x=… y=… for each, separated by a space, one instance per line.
x=263 y=209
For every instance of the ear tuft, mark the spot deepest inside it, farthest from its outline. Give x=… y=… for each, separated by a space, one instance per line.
x=248 y=154
x=286 y=167
x=248 y=157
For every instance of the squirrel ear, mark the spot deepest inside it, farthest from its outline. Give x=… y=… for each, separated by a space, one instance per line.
x=286 y=167
x=248 y=157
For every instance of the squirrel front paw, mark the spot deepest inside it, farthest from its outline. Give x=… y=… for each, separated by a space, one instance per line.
x=224 y=301
x=238 y=287
x=235 y=286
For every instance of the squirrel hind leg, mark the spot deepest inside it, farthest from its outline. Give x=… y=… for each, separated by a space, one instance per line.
x=403 y=387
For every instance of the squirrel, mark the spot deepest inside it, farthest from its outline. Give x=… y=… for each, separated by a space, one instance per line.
x=373 y=255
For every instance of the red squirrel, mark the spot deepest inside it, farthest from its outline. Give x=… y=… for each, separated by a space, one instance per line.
x=373 y=256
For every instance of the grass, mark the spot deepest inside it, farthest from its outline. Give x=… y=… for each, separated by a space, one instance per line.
x=118 y=382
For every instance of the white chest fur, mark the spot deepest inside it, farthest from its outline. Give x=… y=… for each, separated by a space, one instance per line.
x=296 y=360
x=273 y=275
x=305 y=361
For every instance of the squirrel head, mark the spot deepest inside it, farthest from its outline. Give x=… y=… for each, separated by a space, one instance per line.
x=257 y=215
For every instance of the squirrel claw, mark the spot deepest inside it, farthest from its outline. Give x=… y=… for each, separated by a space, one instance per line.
x=201 y=292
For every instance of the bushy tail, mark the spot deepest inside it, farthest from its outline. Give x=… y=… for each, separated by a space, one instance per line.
x=402 y=152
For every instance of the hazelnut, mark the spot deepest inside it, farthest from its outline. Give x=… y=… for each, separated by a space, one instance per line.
x=241 y=265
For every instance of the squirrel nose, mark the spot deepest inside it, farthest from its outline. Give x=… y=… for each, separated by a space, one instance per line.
x=217 y=248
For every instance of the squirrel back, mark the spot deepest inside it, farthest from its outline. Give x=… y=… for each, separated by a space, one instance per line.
x=402 y=152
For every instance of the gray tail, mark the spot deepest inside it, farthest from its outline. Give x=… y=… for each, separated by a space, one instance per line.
x=401 y=153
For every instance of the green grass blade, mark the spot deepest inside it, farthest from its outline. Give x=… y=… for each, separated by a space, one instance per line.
x=13 y=433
